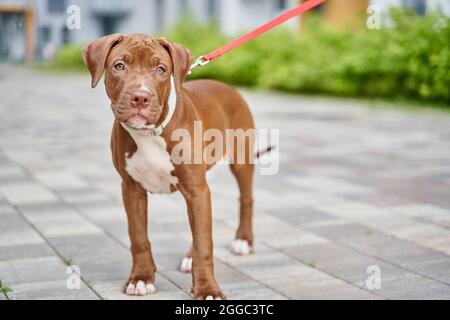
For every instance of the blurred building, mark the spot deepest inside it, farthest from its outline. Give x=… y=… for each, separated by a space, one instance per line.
x=345 y=12
x=38 y=27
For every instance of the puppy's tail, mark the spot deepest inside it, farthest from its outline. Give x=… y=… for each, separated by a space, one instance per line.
x=263 y=152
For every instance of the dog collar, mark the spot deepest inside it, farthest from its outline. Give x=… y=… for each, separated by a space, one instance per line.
x=151 y=129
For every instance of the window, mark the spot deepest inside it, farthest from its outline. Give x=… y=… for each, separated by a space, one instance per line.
x=109 y=25
x=160 y=14
x=183 y=6
x=56 y=6
x=417 y=5
x=46 y=34
x=65 y=35
x=282 y=5
x=213 y=9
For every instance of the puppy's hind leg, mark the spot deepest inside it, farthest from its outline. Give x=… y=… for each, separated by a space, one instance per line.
x=243 y=244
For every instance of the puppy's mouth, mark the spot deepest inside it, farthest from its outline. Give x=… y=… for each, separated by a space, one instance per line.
x=138 y=122
x=139 y=125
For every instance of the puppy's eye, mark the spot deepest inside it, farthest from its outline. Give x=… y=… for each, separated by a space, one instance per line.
x=119 y=66
x=161 y=70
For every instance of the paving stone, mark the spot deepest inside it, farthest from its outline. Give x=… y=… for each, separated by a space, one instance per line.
x=354 y=210
x=83 y=196
x=266 y=271
x=24 y=251
x=397 y=251
x=223 y=235
x=40 y=269
x=248 y=290
x=346 y=232
x=301 y=237
x=227 y=273
x=108 y=212
x=328 y=185
x=55 y=179
x=38 y=208
x=343 y=263
x=430 y=236
x=26 y=193
x=322 y=288
x=89 y=246
x=15 y=231
x=104 y=268
x=268 y=224
x=414 y=287
x=6 y=209
x=180 y=279
x=26 y=156
x=51 y=290
x=344 y=198
x=224 y=275
x=300 y=216
x=426 y=212
x=266 y=199
x=379 y=199
x=436 y=269
x=64 y=223
x=10 y=172
x=166 y=242
x=325 y=223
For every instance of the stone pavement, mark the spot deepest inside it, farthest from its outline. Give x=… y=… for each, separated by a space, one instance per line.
x=358 y=187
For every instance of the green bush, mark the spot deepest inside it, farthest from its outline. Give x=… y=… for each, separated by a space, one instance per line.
x=69 y=58
x=410 y=58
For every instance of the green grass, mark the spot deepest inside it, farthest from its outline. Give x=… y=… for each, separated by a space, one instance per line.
x=67 y=261
x=4 y=288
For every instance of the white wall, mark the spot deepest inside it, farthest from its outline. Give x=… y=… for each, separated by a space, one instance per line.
x=444 y=5
x=385 y=4
x=142 y=20
x=243 y=15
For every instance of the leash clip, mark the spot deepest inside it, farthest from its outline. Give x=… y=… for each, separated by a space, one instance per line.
x=200 y=61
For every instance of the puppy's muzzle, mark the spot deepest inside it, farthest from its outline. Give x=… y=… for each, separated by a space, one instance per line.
x=140 y=99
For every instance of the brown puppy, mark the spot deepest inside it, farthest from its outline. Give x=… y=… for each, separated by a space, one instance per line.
x=143 y=78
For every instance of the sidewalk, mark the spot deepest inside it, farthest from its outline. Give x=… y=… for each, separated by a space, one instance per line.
x=357 y=187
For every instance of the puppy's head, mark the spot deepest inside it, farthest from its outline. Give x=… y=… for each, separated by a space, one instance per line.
x=138 y=71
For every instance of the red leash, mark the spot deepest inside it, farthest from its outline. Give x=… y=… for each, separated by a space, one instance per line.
x=308 y=5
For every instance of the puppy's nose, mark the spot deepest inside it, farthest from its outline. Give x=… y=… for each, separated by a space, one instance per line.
x=140 y=98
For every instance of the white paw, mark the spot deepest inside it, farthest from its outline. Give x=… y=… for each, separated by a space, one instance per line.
x=186 y=265
x=140 y=289
x=240 y=247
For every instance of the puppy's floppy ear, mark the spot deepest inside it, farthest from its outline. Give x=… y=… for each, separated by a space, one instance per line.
x=181 y=61
x=95 y=54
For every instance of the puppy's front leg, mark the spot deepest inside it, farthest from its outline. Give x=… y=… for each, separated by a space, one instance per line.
x=142 y=277
x=198 y=200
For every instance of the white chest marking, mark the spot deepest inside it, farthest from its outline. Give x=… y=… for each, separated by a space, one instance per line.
x=150 y=165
